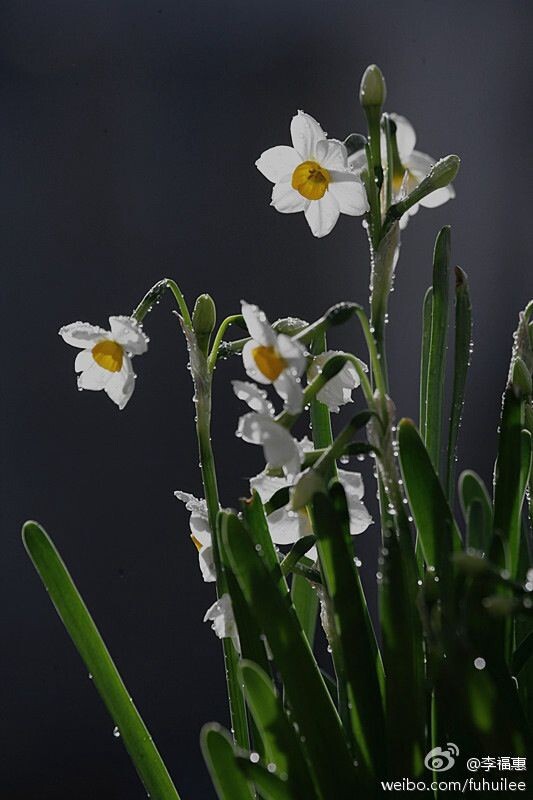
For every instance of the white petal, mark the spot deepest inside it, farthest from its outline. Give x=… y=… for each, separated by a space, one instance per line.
x=248 y=360
x=338 y=390
x=287 y=200
x=224 y=625
x=332 y=154
x=405 y=137
x=438 y=197
x=127 y=332
x=94 y=377
x=267 y=485
x=278 y=445
x=419 y=163
x=350 y=194
x=199 y=521
x=120 y=388
x=287 y=526
x=357 y=162
x=306 y=133
x=83 y=334
x=253 y=396
x=83 y=361
x=305 y=445
x=360 y=519
x=278 y=162
x=206 y=561
x=289 y=388
x=293 y=352
x=322 y=215
x=258 y=326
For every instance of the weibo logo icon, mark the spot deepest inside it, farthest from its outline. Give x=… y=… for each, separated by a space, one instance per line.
x=441 y=759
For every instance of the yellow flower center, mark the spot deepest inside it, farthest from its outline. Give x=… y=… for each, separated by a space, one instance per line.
x=269 y=361
x=196 y=542
x=108 y=355
x=311 y=180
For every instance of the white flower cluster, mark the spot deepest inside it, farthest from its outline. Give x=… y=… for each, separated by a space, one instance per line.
x=273 y=358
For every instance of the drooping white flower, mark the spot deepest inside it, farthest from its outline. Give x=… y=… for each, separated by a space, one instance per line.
x=416 y=166
x=220 y=614
x=105 y=358
x=287 y=526
x=279 y=447
x=200 y=534
x=275 y=358
x=337 y=391
x=313 y=176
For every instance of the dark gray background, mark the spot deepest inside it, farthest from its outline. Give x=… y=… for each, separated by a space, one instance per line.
x=128 y=134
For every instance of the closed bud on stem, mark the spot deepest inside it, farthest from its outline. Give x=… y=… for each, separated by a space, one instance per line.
x=373 y=91
x=441 y=174
x=204 y=317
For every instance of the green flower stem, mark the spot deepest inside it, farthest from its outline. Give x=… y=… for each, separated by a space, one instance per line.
x=373 y=201
x=374 y=355
x=331 y=368
x=202 y=383
x=153 y=296
x=235 y=319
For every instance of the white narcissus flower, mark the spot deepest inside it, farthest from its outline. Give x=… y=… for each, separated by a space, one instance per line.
x=416 y=166
x=275 y=358
x=254 y=397
x=287 y=526
x=313 y=176
x=279 y=447
x=223 y=620
x=337 y=391
x=105 y=358
x=200 y=534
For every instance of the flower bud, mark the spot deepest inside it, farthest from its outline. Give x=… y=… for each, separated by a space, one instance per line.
x=204 y=318
x=440 y=175
x=373 y=91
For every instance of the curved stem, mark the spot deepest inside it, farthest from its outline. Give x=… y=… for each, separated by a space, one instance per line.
x=224 y=325
x=154 y=294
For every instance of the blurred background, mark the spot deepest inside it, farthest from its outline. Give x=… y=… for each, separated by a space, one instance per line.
x=128 y=133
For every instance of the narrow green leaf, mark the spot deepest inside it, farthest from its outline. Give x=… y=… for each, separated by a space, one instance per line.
x=473 y=490
x=477 y=534
x=305 y=601
x=434 y=520
x=424 y=358
x=522 y=654
x=255 y=518
x=306 y=693
x=270 y=786
x=437 y=349
x=357 y=645
x=228 y=779
x=461 y=361
x=282 y=746
x=84 y=633
x=403 y=657
x=299 y=549
x=510 y=477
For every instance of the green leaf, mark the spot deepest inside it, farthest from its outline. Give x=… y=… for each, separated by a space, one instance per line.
x=403 y=657
x=437 y=349
x=424 y=357
x=522 y=654
x=461 y=361
x=227 y=777
x=282 y=746
x=306 y=693
x=84 y=633
x=511 y=476
x=435 y=523
x=256 y=521
x=270 y=786
x=357 y=649
x=299 y=549
x=472 y=490
x=305 y=601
